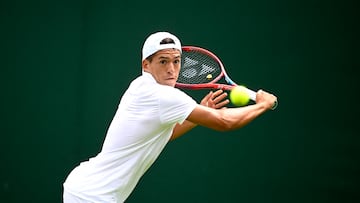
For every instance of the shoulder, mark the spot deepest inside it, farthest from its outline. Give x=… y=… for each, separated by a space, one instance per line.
x=173 y=95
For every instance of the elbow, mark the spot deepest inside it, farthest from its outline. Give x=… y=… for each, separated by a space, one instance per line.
x=225 y=124
x=229 y=123
x=228 y=127
x=223 y=128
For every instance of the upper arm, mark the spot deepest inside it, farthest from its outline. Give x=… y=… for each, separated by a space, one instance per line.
x=208 y=117
x=200 y=115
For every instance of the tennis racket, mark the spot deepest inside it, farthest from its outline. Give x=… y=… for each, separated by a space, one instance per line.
x=201 y=69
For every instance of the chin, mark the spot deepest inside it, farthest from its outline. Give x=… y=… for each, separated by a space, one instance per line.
x=170 y=84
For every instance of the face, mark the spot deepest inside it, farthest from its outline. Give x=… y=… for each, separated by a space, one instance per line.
x=164 y=66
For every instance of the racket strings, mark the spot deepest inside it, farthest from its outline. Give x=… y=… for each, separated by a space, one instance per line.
x=198 y=68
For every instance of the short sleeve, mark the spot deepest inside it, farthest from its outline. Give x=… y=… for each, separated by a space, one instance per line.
x=175 y=105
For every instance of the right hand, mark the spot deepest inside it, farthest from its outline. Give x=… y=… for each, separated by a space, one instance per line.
x=265 y=98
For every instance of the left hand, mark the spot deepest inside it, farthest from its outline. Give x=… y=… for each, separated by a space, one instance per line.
x=215 y=100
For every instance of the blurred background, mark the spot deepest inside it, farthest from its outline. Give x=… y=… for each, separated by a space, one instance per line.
x=65 y=64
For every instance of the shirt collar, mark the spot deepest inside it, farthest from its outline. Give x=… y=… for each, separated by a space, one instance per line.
x=148 y=76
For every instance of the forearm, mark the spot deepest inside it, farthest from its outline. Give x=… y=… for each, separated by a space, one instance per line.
x=234 y=118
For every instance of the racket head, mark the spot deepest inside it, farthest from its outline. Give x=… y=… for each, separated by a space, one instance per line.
x=199 y=66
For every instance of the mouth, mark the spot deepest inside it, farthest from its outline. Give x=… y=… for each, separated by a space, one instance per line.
x=171 y=78
x=170 y=81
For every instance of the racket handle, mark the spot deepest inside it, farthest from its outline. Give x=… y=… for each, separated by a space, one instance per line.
x=252 y=95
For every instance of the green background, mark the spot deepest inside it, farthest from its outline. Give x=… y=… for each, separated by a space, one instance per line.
x=65 y=64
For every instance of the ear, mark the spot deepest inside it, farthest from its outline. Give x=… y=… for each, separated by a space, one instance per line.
x=145 y=65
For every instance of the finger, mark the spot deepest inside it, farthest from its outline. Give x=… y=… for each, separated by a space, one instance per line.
x=222 y=104
x=217 y=93
x=209 y=95
x=207 y=98
x=220 y=97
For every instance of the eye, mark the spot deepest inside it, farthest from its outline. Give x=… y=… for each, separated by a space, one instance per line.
x=177 y=61
x=163 y=62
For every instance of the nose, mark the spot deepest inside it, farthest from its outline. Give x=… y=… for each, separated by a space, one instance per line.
x=171 y=68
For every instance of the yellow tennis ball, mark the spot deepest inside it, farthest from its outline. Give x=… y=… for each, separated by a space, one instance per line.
x=239 y=96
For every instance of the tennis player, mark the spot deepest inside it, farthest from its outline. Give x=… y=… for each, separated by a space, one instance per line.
x=150 y=114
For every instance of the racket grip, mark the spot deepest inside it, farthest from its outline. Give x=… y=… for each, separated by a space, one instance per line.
x=252 y=95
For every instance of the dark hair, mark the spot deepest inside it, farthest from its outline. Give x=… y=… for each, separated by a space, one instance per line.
x=167 y=41
x=164 y=41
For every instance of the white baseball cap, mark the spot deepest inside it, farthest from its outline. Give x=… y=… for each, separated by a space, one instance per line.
x=153 y=43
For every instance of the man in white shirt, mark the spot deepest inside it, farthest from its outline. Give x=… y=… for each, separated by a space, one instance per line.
x=152 y=112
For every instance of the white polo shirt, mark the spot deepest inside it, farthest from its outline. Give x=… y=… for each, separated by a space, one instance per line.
x=140 y=129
